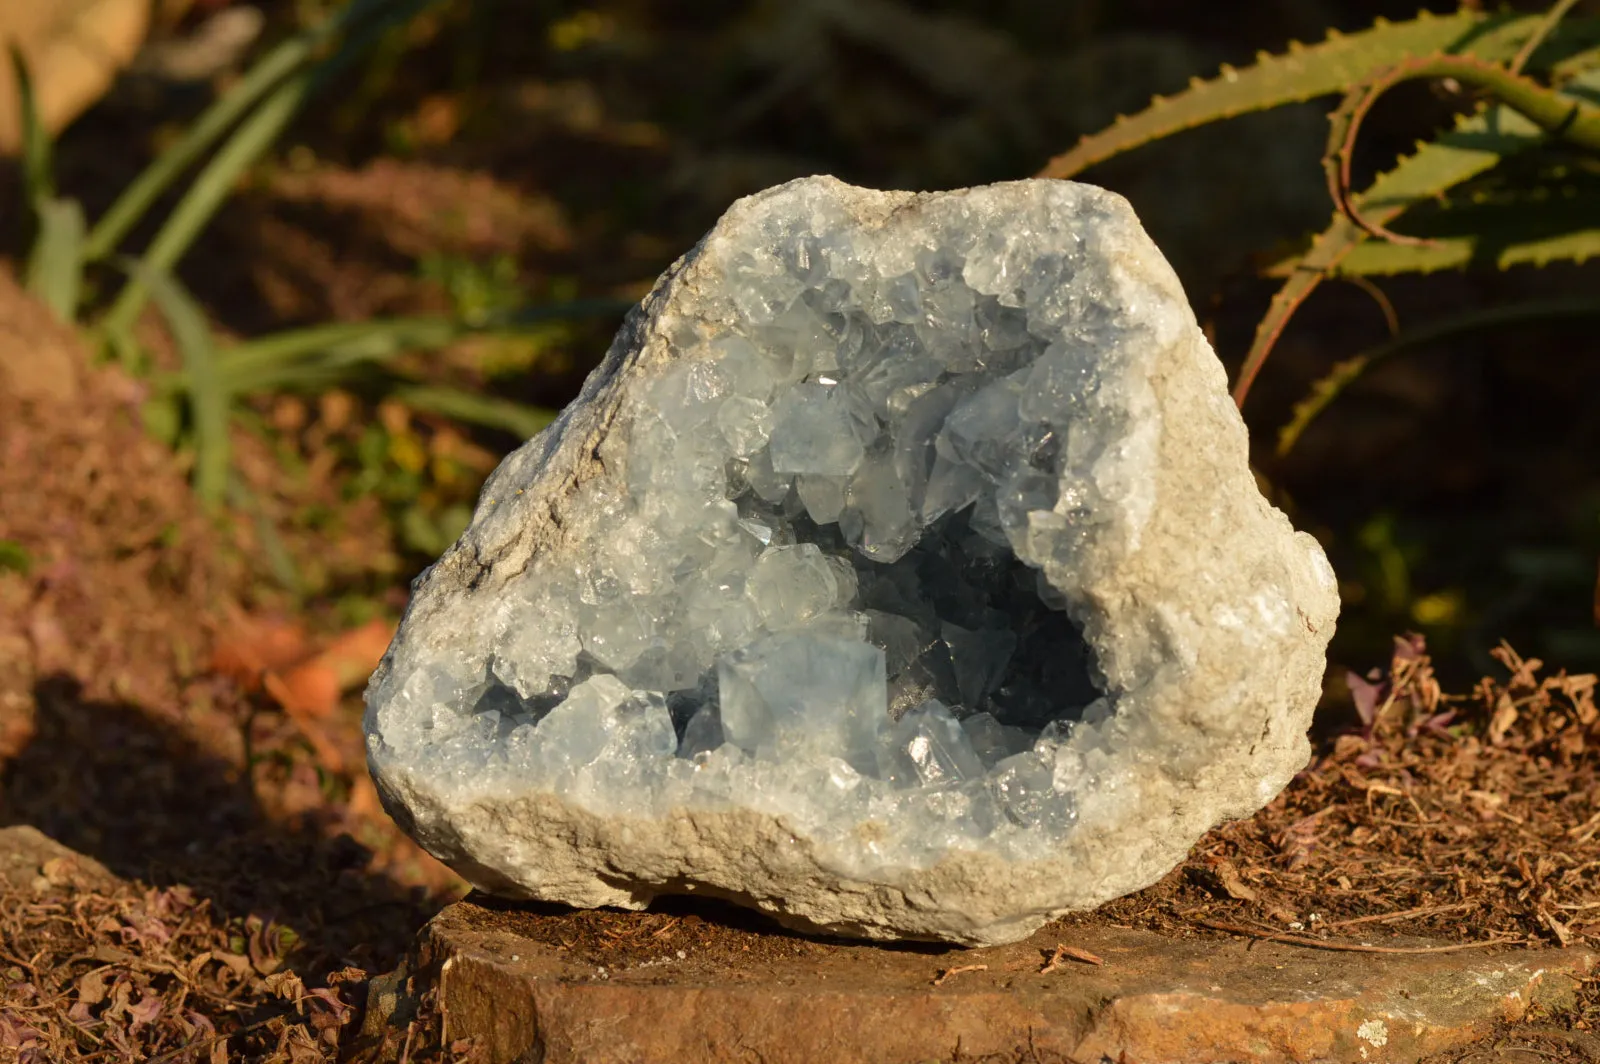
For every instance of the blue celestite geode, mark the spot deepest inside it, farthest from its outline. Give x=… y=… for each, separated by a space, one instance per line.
x=900 y=572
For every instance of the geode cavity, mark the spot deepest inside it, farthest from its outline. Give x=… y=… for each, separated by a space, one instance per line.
x=900 y=572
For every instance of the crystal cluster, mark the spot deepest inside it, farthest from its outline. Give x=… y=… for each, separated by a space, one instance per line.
x=869 y=541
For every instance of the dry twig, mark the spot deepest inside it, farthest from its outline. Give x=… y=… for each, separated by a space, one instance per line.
x=1069 y=953
x=1349 y=947
x=1404 y=914
x=946 y=973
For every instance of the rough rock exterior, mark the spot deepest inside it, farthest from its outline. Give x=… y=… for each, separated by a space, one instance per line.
x=900 y=573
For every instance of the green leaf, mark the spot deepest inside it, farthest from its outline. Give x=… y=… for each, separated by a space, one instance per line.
x=1475 y=145
x=301 y=358
x=55 y=258
x=1332 y=66
x=1347 y=371
x=1558 y=113
x=503 y=414
x=55 y=262
x=38 y=168
x=263 y=76
x=208 y=396
x=1541 y=33
x=1536 y=229
x=15 y=557
x=254 y=136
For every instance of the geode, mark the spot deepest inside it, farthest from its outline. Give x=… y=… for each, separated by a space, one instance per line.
x=900 y=572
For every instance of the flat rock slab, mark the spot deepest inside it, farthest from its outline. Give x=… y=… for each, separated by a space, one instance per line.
x=30 y=858
x=543 y=985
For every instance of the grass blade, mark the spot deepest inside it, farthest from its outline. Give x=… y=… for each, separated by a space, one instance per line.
x=55 y=258
x=279 y=361
x=279 y=559
x=210 y=188
x=55 y=262
x=516 y=418
x=253 y=137
x=208 y=397
x=268 y=72
x=285 y=359
x=38 y=169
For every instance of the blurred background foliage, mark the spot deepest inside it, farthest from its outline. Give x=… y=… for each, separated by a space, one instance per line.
x=404 y=277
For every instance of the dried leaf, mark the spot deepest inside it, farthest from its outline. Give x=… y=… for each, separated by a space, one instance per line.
x=148 y=1010
x=1228 y=876
x=307 y=692
x=1562 y=932
x=252 y=646
x=268 y=942
x=235 y=962
x=1366 y=695
x=1505 y=715
x=92 y=987
x=327 y=1013
x=352 y=656
x=286 y=985
x=59 y=870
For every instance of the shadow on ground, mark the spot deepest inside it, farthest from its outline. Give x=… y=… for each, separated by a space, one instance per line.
x=112 y=782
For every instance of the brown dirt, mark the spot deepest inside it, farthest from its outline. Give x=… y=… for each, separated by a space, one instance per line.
x=236 y=857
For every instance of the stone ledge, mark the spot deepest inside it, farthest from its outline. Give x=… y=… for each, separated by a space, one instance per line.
x=505 y=979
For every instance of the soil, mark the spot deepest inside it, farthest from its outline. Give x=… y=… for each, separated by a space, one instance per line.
x=231 y=852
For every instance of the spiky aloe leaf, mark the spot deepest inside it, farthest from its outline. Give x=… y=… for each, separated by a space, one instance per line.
x=1574 y=64
x=1527 y=229
x=1476 y=144
x=1345 y=373
x=1559 y=114
x=1547 y=26
x=1332 y=66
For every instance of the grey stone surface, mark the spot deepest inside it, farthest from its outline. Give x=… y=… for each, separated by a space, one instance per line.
x=900 y=572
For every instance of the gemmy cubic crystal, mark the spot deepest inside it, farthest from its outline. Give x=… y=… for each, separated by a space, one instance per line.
x=900 y=572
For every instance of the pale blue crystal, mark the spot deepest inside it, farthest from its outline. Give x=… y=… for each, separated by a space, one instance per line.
x=804 y=696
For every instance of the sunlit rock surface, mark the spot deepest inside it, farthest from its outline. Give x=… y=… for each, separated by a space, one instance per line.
x=899 y=572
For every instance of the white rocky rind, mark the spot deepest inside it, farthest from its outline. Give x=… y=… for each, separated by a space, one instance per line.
x=1207 y=615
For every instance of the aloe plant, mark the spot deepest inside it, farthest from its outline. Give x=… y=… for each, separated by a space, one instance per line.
x=1457 y=201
